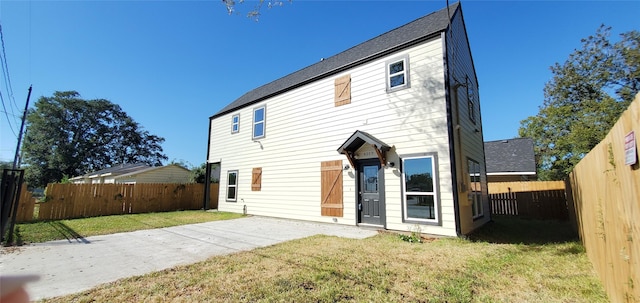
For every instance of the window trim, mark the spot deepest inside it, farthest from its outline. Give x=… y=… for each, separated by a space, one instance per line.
x=473 y=195
x=436 y=193
x=235 y=123
x=263 y=122
x=388 y=76
x=226 y=196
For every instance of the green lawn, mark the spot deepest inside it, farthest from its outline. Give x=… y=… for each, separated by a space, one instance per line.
x=507 y=261
x=78 y=228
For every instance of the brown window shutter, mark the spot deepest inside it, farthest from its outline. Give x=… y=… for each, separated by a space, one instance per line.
x=343 y=90
x=256 y=179
x=331 y=188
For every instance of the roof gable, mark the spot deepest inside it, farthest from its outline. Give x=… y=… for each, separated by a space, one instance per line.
x=402 y=37
x=512 y=155
x=359 y=138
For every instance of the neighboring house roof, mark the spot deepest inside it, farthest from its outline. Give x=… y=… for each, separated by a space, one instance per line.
x=402 y=37
x=124 y=170
x=114 y=170
x=511 y=156
x=146 y=170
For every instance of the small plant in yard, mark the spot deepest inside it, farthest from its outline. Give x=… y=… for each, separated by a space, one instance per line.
x=414 y=236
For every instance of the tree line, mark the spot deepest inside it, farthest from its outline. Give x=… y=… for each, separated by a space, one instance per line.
x=70 y=136
x=583 y=100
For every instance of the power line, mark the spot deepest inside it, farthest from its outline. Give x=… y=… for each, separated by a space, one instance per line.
x=8 y=85
x=5 y=71
x=12 y=114
x=7 y=115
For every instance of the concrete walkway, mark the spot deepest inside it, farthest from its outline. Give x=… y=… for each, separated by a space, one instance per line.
x=67 y=267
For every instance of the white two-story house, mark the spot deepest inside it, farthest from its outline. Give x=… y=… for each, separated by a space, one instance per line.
x=386 y=134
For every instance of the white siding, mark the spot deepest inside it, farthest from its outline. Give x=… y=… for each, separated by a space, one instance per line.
x=303 y=128
x=469 y=139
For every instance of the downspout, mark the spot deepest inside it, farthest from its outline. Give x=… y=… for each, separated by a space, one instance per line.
x=450 y=127
x=207 y=177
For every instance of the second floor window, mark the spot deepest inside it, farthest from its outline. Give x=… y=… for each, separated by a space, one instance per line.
x=398 y=74
x=259 y=117
x=235 y=124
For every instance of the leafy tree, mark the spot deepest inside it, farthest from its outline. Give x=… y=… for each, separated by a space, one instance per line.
x=71 y=136
x=583 y=100
x=5 y=165
x=253 y=13
x=199 y=174
x=184 y=163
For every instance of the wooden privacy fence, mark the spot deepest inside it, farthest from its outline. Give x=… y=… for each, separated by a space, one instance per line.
x=530 y=200
x=606 y=196
x=67 y=201
x=26 y=206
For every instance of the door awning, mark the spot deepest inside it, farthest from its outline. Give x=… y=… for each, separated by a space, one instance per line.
x=359 y=138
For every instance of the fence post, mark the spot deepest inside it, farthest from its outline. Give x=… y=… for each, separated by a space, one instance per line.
x=10 y=199
x=207 y=187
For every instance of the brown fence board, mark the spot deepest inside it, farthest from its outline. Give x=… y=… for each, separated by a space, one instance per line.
x=66 y=201
x=531 y=199
x=506 y=187
x=504 y=204
x=606 y=201
x=26 y=205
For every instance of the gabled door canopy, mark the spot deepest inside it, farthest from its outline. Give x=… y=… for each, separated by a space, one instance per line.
x=359 y=138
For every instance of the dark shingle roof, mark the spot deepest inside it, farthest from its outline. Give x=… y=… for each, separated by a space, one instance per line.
x=512 y=155
x=401 y=37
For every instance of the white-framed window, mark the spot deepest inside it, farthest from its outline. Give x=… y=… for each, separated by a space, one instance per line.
x=475 y=188
x=420 y=202
x=232 y=186
x=397 y=73
x=235 y=123
x=471 y=97
x=259 y=118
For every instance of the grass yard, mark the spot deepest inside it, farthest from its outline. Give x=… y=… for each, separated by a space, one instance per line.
x=507 y=261
x=79 y=228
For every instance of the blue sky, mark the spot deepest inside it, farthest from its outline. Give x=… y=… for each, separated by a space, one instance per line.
x=172 y=64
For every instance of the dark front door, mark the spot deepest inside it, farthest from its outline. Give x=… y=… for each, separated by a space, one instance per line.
x=370 y=198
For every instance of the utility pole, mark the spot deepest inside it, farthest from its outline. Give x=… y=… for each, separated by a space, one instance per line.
x=24 y=117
